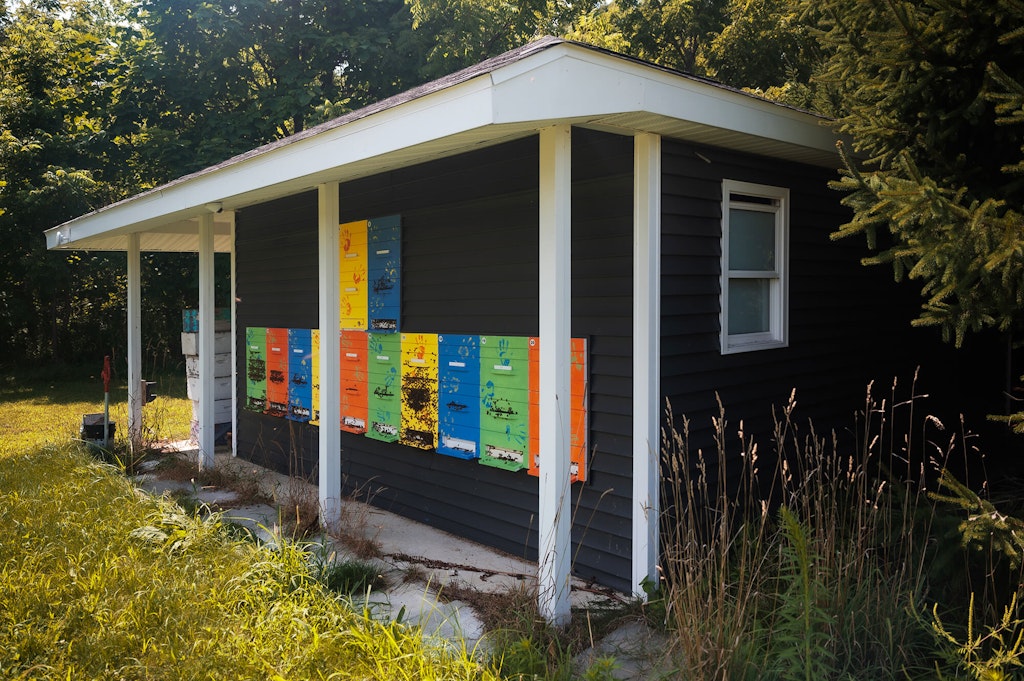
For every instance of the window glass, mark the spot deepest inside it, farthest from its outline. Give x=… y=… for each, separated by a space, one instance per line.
x=749 y=306
x=754 y=305
x=751 y=240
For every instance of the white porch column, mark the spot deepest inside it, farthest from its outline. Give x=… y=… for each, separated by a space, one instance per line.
x=646 y=355
x=134 y=272
x=207 y=392
x=330 y=349
x=234 y=348
x=554 y=513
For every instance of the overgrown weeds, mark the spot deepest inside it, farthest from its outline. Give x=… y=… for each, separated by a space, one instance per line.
x=809 y=561
x=525 y=647
x=100 y=581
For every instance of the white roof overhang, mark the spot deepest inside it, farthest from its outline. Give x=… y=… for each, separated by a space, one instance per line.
x=500 y=100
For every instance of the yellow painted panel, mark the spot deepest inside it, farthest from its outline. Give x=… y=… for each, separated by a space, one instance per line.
x=314 y=344
x=352 y=276
x=419 y=390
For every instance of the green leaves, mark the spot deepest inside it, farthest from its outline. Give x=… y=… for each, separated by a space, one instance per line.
x=246 y=72
x=933 y=102
x=803 y=634
x=460 y=33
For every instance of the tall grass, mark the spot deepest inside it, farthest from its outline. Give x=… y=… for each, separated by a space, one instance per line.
x=805 y=561
x=100 y=581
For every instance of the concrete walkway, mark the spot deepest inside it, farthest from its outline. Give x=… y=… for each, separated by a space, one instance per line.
x=426 y=570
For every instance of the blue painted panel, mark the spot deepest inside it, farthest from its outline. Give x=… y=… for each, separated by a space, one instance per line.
x=462 y=443
x=300 y=338
x=384 y=272
x=387 y=228
x=300 y=405
x=385 y=293
x=300 y=375
x=458 y=377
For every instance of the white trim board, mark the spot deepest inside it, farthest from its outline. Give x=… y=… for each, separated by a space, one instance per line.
x=554 y=83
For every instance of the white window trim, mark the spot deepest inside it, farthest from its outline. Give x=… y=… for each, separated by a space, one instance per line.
x=777 y=335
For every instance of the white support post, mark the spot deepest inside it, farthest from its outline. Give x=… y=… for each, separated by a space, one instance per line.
x=207 y=383
x=134 y=272
x=554 y=513
x=330 y=349
x=646 y=356
x=234 y=348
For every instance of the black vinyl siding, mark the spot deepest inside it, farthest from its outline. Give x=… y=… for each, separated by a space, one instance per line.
x=469 y=265
x=276 y=285
x=848 y=324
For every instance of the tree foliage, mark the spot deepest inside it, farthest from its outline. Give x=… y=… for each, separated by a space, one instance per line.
x=673 y=33
x=460 y=33
x=932 y=95
x=230 y=76
x=104 y=98
x=53 y=142
x=77 y=131
x=763 y=45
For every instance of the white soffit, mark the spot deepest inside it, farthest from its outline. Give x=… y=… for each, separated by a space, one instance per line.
x=506 y=98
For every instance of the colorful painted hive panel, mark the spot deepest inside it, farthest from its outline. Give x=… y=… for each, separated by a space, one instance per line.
x=354 y=381
x=384 y=258
x=462 y=395
x=419 y=390
x=314 y=343
x=504 y=402
x=578 y=425
x=384 y=405
x=458 y=396
x=277 y=372
x=352 y=267
x=300 y=375
x=256 y=369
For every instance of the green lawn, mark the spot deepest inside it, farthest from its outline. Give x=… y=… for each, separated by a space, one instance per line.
x=47 y=407
x=100 y=581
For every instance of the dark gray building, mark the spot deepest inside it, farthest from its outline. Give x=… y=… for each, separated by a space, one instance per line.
x=558 y=191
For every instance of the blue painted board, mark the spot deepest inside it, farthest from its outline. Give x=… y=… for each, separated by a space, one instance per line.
x=458 y=401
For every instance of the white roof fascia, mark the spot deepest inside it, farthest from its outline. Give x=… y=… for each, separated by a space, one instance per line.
x=297 y=166
x=564 y=83
x=458 y=109
x=576 y=83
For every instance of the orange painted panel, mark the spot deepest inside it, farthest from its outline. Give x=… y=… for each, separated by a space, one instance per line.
x=578 y=413
x=354 y=381
x=277 y=371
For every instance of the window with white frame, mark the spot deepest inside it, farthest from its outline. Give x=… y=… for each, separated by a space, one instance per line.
x=755 y=254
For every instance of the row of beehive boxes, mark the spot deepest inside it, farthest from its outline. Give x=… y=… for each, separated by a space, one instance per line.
x=466 y=396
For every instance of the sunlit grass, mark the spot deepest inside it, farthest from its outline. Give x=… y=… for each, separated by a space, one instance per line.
x=98 y=580
x=101 y=581
x=47 y=409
